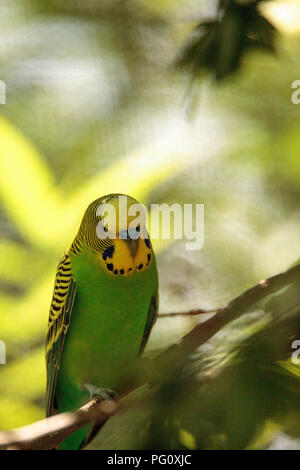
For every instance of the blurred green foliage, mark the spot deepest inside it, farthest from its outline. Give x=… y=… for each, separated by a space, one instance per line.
x=219 y=45
x=94 y=106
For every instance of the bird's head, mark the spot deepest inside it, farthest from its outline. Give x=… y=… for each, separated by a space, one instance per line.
x=114 y=226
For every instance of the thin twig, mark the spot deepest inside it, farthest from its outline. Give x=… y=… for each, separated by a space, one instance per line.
x=191 y=313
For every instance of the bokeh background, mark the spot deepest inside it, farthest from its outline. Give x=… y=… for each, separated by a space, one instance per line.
x=95 y=104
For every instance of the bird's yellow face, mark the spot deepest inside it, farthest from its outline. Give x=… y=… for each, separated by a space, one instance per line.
x=122 y=241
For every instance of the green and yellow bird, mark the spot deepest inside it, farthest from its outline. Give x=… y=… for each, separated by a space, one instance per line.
x=104 y=304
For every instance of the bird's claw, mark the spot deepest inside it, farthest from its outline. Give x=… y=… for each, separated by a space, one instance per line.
x=103 y=393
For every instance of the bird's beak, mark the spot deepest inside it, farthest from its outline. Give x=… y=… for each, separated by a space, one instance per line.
x=132 y=243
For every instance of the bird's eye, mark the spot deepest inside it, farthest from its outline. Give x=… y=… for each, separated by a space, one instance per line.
x=138 y=228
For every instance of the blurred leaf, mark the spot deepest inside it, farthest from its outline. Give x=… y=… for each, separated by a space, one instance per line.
x=219 y=46
x=187 y=439
x=13 y=258
x=26 y=321
x=15 y=412
x=25 y=378
x=26 y=185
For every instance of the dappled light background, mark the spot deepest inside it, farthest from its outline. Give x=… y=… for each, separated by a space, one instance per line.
x=94 y=104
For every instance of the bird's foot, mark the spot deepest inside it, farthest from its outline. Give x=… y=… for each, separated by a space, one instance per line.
x=103 y=393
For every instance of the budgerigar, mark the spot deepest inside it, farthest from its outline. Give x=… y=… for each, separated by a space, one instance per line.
x=104 y=304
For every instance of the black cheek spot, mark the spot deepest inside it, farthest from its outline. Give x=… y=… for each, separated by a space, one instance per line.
x=116 y=271
x=140 y=266
x=147 y=242
x=130 y=269
x=110 y=266
x=121 y=271
x=148 y=257
x=108 y=252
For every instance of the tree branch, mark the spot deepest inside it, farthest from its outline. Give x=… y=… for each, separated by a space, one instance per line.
x=50 y=432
